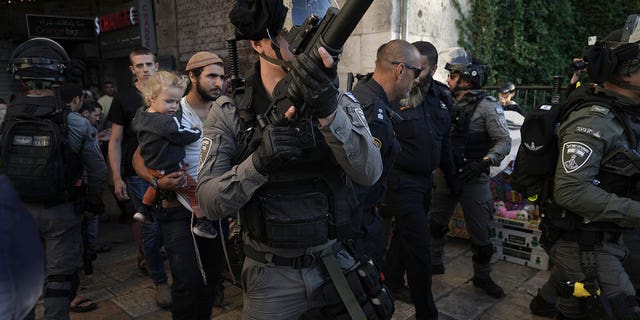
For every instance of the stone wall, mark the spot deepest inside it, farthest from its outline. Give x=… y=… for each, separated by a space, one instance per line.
x=184 y=27
x=412 y=20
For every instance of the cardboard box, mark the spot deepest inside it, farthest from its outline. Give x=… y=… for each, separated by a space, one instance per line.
x=534 y=258
x=516 y=236
x=520 y=224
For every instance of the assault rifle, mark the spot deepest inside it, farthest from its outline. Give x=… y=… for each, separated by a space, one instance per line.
x=330 y=32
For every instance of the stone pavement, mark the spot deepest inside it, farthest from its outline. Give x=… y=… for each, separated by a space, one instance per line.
x=122 y=292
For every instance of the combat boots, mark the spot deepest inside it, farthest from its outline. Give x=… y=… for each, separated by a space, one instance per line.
x=488 y=286
x=541 y=307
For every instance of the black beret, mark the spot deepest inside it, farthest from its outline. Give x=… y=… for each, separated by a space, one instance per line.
x=252 y=18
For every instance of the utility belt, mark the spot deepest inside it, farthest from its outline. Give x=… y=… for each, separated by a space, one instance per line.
x=300 y=262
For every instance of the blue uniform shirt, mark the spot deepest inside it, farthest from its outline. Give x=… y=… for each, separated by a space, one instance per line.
x=425 y=133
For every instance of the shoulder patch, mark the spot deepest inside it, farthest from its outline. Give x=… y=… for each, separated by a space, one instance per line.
x=358 y=118
x=589 y=131
x=599 y=110
x=380 y=114
x=351 y=97
x=205 y=149
x=499 y=109
x=575 y=155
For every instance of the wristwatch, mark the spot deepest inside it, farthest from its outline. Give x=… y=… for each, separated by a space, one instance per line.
x=154 y=183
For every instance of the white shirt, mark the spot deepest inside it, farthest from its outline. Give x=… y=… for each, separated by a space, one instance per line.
x=190 y=119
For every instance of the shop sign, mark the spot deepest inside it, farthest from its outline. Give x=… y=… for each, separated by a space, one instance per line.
x=59 y=27
x=117 y=20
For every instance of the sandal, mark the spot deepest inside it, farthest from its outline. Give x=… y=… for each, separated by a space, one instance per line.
x=142 y=266
x=84 y=305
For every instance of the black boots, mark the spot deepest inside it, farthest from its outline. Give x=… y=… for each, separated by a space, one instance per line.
x=541 y=307
x=489 y=287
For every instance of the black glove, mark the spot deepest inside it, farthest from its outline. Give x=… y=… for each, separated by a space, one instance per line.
x=314 y=85
x=454 y=185
x=279 y=145
x=473 y=169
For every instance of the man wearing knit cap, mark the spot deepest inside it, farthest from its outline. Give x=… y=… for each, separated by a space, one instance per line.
x=197 y=284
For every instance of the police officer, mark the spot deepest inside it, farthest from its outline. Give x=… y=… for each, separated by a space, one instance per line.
x=505 y=94
x=395 y=72
x=480 y=139
x=39 y=64
x=424 y=135
x=595 y=185
x=293 y=198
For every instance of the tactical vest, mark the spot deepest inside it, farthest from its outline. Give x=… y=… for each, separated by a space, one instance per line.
x=303 y=205
x=468 y=145
x=35 y=152
x=618 y=174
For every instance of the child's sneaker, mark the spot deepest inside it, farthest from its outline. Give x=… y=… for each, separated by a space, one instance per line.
x=143 y=215
x=204 y=228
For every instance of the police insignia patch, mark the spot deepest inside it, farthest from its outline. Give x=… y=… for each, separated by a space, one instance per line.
x=351 y=97
x=359 y=120
x=205 y=149
x=377 y=142
x=575 y=155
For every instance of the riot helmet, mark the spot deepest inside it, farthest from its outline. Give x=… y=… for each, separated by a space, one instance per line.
x=618 y=53
x=39 y=59
x=470 y=69
x=507 y=87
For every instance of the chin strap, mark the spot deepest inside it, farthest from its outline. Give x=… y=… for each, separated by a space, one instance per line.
x=625 y=85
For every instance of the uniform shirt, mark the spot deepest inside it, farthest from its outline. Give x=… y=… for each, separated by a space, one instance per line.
x=123 y=109
x=224 y=187
x=585 y=138
x=489 y=117
x=425 y=133
x=162 y=139
x=375 y=104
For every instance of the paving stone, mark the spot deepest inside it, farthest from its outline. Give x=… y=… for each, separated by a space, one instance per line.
x=457 y=272
x=97 y=295
x=439 y=288
x=465 y=302
x=232 y=315
x=454 y=248
x=156 y=315
x=514 y=306
x=130 y=285
x=105 y=310
x=509 y=275
x=137 y=303
x=403 y=311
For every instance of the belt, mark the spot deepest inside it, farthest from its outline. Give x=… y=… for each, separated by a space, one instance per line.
x=300 y=262
x=591 y=237
x=170 y=203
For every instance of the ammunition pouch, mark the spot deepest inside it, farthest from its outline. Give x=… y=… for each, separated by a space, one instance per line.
x=294 y=220
x=371 y=294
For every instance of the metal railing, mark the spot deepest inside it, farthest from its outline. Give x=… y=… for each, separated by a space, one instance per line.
x=528 y=97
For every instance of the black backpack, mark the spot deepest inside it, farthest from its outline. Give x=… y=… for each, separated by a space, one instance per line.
x=34 y=150
x=538 y=153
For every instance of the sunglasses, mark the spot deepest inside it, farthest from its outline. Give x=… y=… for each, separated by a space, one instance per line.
x=416 y=70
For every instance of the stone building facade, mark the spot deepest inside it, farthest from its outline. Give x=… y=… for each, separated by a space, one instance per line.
x=183 y=27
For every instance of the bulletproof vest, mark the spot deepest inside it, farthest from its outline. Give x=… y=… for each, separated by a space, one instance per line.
x=468 y=145
x=618 y=174
x=35 y=153
x=303 y=205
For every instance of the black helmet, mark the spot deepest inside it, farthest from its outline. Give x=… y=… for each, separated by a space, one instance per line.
x=470 y=69
x=39 y=59
x=508 y=87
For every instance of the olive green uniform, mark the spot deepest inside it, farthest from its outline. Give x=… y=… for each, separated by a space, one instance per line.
x=586 y=137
